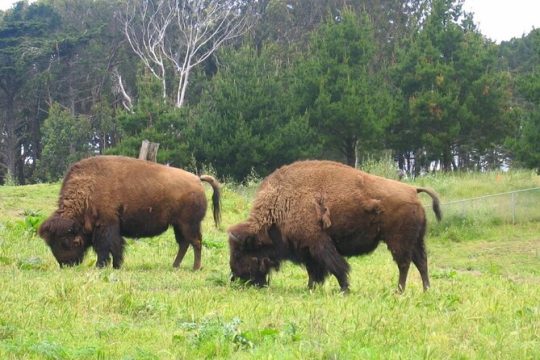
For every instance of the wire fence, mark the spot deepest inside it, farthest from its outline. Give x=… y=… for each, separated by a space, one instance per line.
x=504 y=208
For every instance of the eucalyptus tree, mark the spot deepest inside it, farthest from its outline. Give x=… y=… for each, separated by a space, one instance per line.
x=290 y=22
x=179 y=35
x=84 y=76
x=25 y=49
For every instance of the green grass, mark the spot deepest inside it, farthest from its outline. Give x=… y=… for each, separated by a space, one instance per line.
x=484 y=300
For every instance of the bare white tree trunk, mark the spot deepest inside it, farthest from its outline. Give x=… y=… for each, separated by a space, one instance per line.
x=182 y=34
x=119 y=87
x=145 y=26
x=182 y=86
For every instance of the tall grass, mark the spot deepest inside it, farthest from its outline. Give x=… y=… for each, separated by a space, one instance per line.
x=483 y=302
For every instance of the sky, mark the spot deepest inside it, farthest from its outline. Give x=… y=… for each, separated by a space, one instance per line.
x=499 y=20
x=502 y=20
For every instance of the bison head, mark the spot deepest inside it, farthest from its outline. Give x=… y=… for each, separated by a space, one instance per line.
x=252 y=254
x=66 y=239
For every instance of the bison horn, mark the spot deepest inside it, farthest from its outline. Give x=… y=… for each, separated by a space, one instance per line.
x=234 y=237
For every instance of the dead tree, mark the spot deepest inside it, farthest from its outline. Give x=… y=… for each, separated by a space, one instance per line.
x=182 y=34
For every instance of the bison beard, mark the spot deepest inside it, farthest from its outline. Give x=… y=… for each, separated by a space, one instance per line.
x=316 y=213
x=105 y=198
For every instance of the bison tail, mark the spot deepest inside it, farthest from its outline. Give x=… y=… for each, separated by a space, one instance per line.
x=436 y=203
x=216 y=203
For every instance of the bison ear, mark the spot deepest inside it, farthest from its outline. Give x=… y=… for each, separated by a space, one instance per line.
x=44 y=230
x=56 y=226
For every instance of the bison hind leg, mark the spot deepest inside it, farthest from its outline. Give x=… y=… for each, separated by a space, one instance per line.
x=401 y=253
x=187 y=234
x=419 y=259
x=183 y=245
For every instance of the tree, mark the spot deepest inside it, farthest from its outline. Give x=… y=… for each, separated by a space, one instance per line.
x=455 y=102
x=527 y=145
x=151 y=119
x=105 y=126
x=25 y=48
x=66 y=139
x=340 y=89
x=181 y=34
x=245 y=121
x=90 y=53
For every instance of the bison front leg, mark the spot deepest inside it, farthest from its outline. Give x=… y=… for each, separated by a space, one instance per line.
x=324 y=252
x=106 y=241
x=317 y=273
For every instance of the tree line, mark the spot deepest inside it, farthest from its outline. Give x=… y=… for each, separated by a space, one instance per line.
x=247 y=86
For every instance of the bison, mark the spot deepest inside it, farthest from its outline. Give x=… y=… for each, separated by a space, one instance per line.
x=316 y=213
x=104 y=198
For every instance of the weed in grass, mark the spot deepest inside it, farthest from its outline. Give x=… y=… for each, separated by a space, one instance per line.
x=49 y=350
x=7 y=332
x=214 y=336
x=33 y=219
x=32 y=263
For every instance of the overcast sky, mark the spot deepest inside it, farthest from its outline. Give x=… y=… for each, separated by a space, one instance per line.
x=502 y=20
x=497 y=19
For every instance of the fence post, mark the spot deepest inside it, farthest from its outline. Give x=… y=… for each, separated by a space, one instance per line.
x=148 y=151
x=513 y=208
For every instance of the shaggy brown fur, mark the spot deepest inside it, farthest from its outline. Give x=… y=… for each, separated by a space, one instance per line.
x=106 y=197
x=316 y=212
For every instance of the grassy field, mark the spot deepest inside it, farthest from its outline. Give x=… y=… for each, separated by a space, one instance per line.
x=484 y=301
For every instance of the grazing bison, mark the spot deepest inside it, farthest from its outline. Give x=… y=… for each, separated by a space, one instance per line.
x=105 y=198
x=316 y=213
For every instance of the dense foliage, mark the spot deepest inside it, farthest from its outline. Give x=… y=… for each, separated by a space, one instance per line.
x=296 y=79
